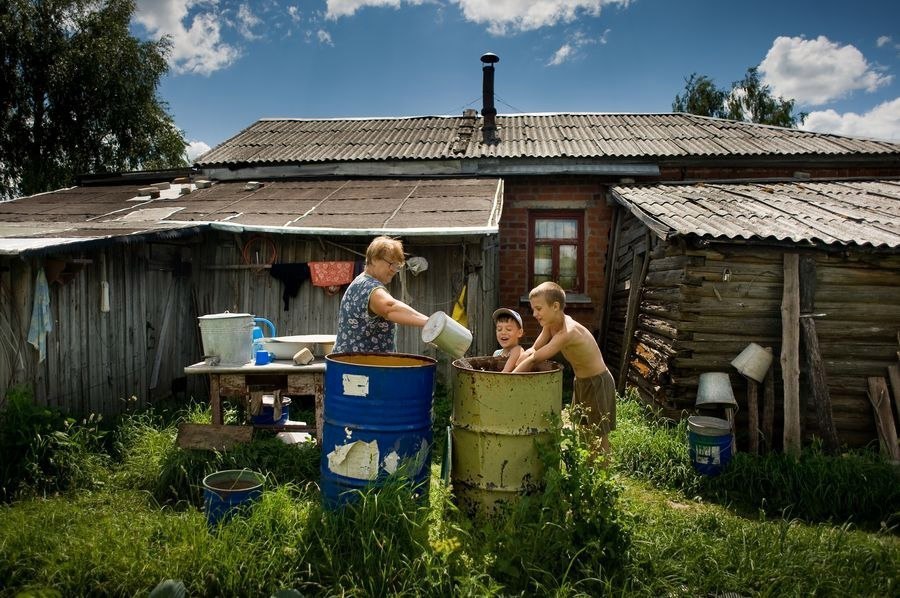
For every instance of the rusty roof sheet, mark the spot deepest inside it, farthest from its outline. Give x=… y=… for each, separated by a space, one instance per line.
x=830 y=212
x=404 y=206
x=558 y=135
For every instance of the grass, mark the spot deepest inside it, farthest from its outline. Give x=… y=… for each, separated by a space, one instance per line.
x=645 y=527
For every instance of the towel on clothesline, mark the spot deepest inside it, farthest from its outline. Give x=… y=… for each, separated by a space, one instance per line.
x=331 y=275
x=41 y=316
x=291 y=275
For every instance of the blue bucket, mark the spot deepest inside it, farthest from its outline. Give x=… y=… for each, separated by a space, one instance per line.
x=377 y=422
x=225 y=492
x=710 y=444
x=268 y=410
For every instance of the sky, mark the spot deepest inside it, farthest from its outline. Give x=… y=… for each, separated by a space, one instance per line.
x=234 y=62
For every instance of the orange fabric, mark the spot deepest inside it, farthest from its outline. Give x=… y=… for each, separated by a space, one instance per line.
x=331 y=275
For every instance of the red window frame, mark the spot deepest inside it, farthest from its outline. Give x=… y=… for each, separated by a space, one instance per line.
x=579 y=242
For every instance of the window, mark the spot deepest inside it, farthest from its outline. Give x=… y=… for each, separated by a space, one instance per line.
x=557 y=249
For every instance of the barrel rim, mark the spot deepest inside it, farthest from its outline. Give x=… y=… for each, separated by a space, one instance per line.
x=555 y=367
x=245 y=475
x=426 y=361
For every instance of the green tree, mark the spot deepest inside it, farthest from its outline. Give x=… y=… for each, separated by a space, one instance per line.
x=78 y=95
x=748 y=100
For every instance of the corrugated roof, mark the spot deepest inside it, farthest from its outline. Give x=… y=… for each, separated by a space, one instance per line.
x=833 y=212
x=402 y=206
x=559 y=135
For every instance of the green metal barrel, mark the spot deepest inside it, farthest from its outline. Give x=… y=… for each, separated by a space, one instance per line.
x=497 y=419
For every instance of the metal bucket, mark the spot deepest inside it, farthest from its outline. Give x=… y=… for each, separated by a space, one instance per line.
x=224 y=492
x=497 y=420
x=715 y=388
x=447 y=334
x=377 y=421
x=227 y=337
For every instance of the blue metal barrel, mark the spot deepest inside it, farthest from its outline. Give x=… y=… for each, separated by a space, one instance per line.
x=377 y=421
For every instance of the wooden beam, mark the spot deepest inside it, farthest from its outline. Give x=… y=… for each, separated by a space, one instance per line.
x=752 y=416
x=211 y=436
x=821 y=396
x=790 y=353
x=884 y=420
x=768 y=411
x=638 y=272
x=894 y=376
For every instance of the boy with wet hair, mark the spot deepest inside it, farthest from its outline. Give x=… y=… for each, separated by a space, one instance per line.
x=594 y=386
x=509 y=329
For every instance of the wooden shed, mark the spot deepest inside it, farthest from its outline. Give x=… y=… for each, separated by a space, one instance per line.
x=130 y=270
x=699 y=273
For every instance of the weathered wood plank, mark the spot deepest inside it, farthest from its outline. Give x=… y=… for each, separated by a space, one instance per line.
x=884 y=420
x=212 y=436
x=790 y=354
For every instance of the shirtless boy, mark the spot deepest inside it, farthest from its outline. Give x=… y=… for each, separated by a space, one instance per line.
x=594 y=386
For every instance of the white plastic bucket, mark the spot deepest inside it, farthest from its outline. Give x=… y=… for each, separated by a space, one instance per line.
x=753 y=362
x=447 y=334
x=228 y=337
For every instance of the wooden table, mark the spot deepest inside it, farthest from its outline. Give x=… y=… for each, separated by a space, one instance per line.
x=280 y=374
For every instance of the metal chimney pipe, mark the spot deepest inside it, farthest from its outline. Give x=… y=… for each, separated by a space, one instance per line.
x=487 y=89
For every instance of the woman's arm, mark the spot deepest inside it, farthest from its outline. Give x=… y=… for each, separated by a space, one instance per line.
x=383 y=303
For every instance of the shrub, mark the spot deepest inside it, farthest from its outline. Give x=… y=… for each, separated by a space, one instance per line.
x=44 y=451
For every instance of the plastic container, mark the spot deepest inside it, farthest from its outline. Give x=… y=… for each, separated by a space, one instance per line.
x=753 y=362
x=225 y=492
x=376 y=422
x=709 y=444
x=447 y=334
x=264 y=417
x=227 y=336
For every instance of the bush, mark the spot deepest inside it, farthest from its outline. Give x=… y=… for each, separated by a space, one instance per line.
x=44 y=451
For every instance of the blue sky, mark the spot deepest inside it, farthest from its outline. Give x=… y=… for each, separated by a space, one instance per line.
x=236 y=61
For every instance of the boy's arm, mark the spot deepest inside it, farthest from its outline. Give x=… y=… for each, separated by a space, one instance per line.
x=537 y=354
x=514 y=355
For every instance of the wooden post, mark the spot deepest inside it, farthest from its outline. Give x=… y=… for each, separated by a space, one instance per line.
x=752 y=416
x=638 y=272
x=818 y=382
x=884 y=420
x=894 y=376
x=790 y=353
x=768 y=411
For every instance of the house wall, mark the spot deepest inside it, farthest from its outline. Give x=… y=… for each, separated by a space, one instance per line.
x=135 y=354
x=525 y=194
x=692 y=320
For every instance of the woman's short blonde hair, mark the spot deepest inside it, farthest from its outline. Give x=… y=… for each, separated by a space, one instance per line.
x=386 y=248
x=550 y=292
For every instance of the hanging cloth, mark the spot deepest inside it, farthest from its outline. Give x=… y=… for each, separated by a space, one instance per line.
x=41 y=317
x=292 y=276
x=331 y=275
x=459 y=309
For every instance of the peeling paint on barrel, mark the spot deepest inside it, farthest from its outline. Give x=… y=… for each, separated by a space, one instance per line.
x=497 y=419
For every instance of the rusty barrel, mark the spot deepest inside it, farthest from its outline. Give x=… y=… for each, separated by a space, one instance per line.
x=377 y=422
x=497 y=420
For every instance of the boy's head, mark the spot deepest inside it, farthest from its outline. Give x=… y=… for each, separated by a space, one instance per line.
x=548 y=300
x=508 y=325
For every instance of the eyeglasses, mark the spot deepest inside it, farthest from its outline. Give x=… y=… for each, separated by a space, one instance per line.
x=395 y=266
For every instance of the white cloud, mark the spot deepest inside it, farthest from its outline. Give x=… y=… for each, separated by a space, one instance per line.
x=505 y=16
x=882 y=122
x=294 y=13
x=816 y=71
x=500 y=16
x=883 y=40
x=324 y=37
x=246 y=22
x=347 y=8
x=570 y=50
x=194 y=149
x=196 y=48
x=561 y=55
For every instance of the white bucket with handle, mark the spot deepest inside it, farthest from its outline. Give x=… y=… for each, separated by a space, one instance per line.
x=447 y=335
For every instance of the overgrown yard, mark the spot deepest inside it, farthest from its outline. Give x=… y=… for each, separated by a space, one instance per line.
x=115 y=512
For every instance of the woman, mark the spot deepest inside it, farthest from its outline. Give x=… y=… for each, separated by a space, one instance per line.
x=369 y=313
